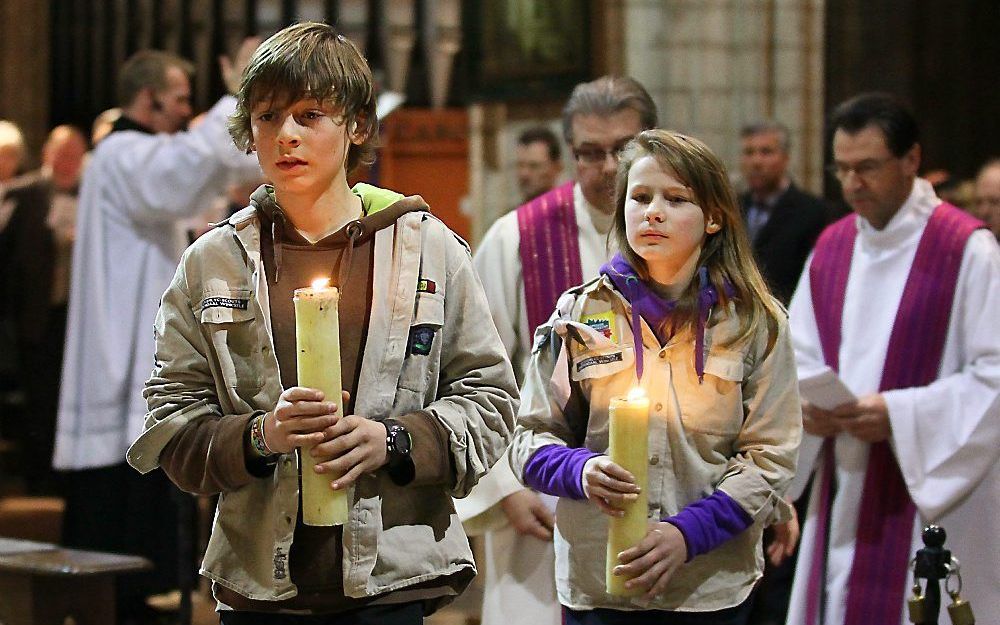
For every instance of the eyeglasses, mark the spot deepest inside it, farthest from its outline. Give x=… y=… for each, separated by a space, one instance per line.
x=593 y=155
x=865 y=169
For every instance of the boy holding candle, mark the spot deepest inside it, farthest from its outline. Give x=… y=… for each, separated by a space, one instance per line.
x=683 y=314
x=429 y=394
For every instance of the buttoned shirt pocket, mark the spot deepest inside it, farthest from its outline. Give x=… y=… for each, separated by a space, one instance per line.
x=227 y=319
x=592 y=354
x=423 y=346
x=714 y=404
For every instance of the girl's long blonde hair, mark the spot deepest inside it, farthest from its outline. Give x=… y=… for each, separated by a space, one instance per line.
x=727 y=253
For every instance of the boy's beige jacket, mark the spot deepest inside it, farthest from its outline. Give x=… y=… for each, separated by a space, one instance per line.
x=738 y=431
x=220 y=361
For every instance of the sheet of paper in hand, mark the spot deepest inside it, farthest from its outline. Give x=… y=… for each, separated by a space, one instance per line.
x=825 y=390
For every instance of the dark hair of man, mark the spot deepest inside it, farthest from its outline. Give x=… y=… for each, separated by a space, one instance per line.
x=767 y=126
x=147 y=69
x=882 y=111
x=541 y=134
x=605 y=96
x=310 y=60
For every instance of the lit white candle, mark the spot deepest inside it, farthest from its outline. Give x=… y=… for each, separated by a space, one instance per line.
x=317 y=343
x=628 y=447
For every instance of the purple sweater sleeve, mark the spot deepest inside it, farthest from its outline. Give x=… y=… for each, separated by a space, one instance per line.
x=709 y=522
x=558 y=470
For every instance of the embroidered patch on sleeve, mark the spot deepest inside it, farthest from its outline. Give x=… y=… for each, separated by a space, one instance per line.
x=426 y=286
x=421 y=340
x=603 y=322
x=225 y=302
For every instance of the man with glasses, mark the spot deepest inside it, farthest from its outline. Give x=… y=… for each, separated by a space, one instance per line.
x=526 y=260
x=899 y=299
x=987 y=205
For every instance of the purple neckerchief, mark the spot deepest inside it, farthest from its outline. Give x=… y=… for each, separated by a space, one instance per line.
x=709 y=522
x=558 y=470
x=656 y=310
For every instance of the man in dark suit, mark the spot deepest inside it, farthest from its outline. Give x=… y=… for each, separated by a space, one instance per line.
x=783 y=221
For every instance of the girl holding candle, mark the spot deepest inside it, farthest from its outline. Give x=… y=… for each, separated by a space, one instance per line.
x=682 y=316
x=429 y=395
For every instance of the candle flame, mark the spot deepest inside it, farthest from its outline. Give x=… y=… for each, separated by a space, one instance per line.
x=320 y=283
x=636 y=393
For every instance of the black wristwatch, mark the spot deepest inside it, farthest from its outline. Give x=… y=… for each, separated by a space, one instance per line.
x=398 y=445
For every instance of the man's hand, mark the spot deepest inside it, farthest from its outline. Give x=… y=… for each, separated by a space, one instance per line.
x=354 y=445
x=866 y=419
x=786 y=536
x=299 y=419
x=819 y=422
x=232 y=69
x=528 y=514
x=608 y=485
x=651 y=563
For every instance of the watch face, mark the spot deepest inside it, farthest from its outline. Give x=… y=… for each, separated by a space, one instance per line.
x=401 y=440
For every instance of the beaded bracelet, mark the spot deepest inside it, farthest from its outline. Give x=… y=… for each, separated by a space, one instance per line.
x=257 y=440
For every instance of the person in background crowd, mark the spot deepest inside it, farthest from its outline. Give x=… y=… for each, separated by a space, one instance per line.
x=527 y=258
x=11 y=160
x=142 y=178
x=35 y=257
x=539 y=162
x=899 y=300
x=11 y=151
x=783 y=221
x=987 y=195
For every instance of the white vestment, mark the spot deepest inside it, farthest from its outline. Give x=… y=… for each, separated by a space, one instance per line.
x=520 y=569
x=945 y=436
x=135 y=189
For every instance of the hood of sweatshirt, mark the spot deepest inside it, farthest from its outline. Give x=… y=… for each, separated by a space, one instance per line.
x=381 y=208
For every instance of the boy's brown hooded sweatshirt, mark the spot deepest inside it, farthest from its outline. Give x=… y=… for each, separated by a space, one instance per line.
x=291 y=262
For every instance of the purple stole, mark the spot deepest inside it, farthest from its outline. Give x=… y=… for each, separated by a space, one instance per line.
x=885 y=522
x=550 y=251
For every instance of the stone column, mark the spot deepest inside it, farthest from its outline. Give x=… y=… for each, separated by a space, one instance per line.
x=713 y=65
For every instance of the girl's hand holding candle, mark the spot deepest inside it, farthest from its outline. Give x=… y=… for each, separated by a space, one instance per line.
x=650 y=564
x=609 y=486
x=627 y=474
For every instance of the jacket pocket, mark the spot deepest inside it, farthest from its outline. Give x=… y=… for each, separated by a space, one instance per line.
x=715 y=404
x=228 y=320
x=423 y=346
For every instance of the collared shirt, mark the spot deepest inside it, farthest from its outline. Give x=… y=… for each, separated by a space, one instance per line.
x=396 y=537
x=759 y=211
x=738 y=432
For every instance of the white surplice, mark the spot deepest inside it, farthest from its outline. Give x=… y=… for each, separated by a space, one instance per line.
x=520 y=570
x=946 y=436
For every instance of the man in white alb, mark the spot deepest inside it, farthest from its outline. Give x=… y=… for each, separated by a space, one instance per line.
x=899 y=298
